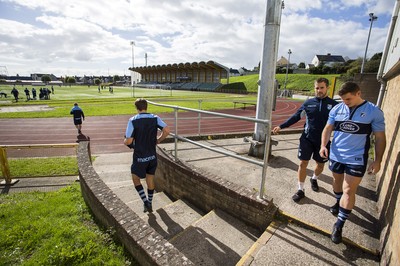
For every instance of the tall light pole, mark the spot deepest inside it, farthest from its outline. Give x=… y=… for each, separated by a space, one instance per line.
x=133 y=62
x=372 y=18
x=287 y=70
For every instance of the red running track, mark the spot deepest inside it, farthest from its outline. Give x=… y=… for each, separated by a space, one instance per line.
x=106 y=132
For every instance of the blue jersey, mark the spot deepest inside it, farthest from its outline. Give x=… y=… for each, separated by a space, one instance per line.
x=352 y=129
x=143 y=128
x=316 y=111
x=77 y=112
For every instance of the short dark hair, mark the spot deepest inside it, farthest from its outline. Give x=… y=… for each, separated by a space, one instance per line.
x=349 y=87
x=75 y=104
x=141 y=104
x=325 y=80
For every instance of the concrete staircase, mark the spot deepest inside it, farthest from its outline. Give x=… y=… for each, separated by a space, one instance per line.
x=213 y=238
x=217 y=238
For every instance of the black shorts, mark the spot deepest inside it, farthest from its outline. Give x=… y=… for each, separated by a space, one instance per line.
x=307 y=148
x=350 y=169
x=142 y=167
x=77 y=121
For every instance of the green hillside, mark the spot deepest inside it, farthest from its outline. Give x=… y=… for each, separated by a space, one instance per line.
x=297 y=82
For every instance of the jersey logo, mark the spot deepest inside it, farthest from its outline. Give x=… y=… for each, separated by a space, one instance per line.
x=349 y=127
x=363 y=114
x=329 y=106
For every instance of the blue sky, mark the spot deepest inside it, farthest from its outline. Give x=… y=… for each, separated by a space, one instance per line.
x=93 y=37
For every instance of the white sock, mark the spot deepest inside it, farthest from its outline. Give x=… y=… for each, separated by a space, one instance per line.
x=314 y=176
x=301 y=186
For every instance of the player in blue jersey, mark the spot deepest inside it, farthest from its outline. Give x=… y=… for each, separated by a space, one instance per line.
x=78 y=117
x=316 y=111
x=352 y=121
x=141 y=132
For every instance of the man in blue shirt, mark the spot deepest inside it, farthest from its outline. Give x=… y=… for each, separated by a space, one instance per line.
x=141 y=135
x=352 y=121
x=316 y=111
x=78 y=117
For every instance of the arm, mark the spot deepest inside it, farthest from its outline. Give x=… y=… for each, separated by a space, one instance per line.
x=164 y=133
x=325 y=137
x=380 y=146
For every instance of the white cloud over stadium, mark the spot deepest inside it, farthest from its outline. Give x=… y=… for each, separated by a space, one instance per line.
x=93 y=37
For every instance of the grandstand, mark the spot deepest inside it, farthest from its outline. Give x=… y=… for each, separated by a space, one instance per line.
x=202 y=76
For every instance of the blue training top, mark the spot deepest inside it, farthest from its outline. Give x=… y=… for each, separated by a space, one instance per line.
x=352 y=129
x=143 y=128
x=316 y=111
x=77 y=112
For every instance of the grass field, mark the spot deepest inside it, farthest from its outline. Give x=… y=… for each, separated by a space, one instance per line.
x=120 y=102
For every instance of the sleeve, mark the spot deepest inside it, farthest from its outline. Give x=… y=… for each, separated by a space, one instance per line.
x=160 y=123
x=294 y=118
x=129 y=129
x=378 y=123
x=83 y=115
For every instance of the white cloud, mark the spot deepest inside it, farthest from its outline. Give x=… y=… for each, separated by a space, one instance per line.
x=94 y=36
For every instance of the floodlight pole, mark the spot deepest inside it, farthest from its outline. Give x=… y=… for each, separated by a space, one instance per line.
x=287 y=69
x=372 y=18
x=265 y=98
x=133 y=65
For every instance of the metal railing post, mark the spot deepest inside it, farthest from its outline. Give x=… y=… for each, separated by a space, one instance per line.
x=5 y=168
x=265 y=164
x=176 y=133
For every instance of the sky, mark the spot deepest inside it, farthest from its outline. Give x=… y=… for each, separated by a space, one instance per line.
x=74 y=37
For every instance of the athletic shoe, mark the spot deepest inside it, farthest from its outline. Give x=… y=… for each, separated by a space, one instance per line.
x=298 y=196
x=334 y=209
x=336 y=235
x=148 y=207
x=314 y=184
x=79 y=132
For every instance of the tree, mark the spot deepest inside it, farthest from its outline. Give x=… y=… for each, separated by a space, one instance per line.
x=302 y=65
x=97 y=81
x=45 y=79
x=70 y=80
x=116 y=78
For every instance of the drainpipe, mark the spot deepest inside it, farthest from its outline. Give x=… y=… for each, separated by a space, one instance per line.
x=385 y=53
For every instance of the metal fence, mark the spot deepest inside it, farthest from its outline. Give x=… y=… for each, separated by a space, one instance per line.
x=176 y=136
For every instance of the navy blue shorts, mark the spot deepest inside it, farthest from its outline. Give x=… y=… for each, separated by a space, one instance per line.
x=308 y=148
x=77 y=121
x=142 y=166
x=350 y=169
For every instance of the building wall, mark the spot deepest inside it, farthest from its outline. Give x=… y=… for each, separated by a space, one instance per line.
x=388 y=180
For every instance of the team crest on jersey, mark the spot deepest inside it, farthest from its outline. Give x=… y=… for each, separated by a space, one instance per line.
x=329 y=106
x=363 y=114
x=349 y=127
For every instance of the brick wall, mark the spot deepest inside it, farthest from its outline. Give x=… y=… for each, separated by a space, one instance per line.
x=388 y=180
x=208 y=192
x=140 y=240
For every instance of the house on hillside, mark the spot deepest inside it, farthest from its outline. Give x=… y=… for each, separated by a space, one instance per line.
x=327 y=60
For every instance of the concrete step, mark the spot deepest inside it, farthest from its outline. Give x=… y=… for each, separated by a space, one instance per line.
x=172 y=218
x=285 y=243
x=216 y=239
x=136 y=204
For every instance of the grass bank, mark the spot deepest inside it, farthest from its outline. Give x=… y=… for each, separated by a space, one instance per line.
x=54 y=228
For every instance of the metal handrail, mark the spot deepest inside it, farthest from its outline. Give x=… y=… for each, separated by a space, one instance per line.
x=267 y=123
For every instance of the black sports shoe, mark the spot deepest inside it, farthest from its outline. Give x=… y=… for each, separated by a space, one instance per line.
x=336 y=235
x=298 y=196
x=314 y=184
x=148 y=207
x=334 y=209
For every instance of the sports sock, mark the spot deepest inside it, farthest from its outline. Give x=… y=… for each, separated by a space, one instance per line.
x=301 y=186
x=342 y=217
x=314 y=176
x=338 y=196
x=150 y=193
x=141 y=192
